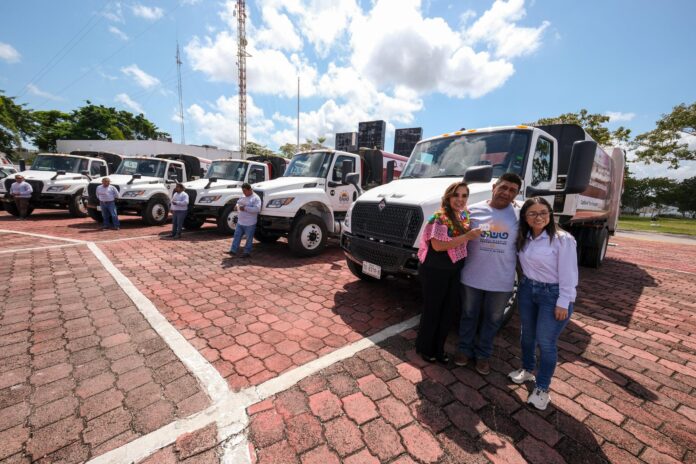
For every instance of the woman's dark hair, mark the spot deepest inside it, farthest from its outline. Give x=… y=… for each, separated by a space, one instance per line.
x=524 y=229
x=449 y=193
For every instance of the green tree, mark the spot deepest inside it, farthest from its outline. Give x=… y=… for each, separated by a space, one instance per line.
x=685 y=196
x=636 y=193
x=255 y=149
x=50 y=126
x=666 y=142
x=288 y=150
x=16 y=124
x=594 y=124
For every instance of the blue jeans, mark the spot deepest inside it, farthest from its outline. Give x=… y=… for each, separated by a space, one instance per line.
x=108 y=210
x=178 y=222
x=239 y=231
x=480 y=308
x=537 y=304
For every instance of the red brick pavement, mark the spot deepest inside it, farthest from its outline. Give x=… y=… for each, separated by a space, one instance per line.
x=623 y=392
x=199 y=447
x=81 y=370
x=254 y=319
x=10 y=241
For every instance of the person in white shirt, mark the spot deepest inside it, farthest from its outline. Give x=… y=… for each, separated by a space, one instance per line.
x=248 y=207
x=180 y=203
x=107 y=195
x=548 y=258
x=21 y=192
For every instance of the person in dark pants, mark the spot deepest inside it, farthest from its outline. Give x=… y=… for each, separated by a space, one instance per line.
x=441 y=254
x=107 y=195
x=21 y=193
x=180 y=203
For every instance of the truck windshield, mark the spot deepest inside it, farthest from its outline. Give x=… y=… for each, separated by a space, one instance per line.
x=452 y=156
x=59 y=163
x=145 y=167
x=309 y=165
x=229 y=170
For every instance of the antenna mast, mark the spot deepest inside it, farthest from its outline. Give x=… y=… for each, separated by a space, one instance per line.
x=181 y=94
x=241 y=65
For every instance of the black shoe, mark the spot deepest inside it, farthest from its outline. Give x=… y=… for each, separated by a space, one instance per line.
x=428 y=358
x=231 y=253
x=443 y=358
x=246 y=255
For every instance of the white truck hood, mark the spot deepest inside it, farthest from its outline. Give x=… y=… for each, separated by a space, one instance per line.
x=123 y=179
x=199 y=184
x=286 y=183
x=47 y=175
x=426 y=193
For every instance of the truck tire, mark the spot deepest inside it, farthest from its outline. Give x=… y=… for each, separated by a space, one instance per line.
x=77 y=206
x=95 y=215
x=596 y=249
x=266 y=237
x=356 y=270
x=193 y=222
x=307 y=236
x=227 y=221
x=156 y=212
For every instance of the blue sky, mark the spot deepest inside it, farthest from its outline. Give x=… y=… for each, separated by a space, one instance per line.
x=439 y=64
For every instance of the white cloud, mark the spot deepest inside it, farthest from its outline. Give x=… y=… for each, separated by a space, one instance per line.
x=129 y=102
x=189 y=2
x=497 y=27
x=150 y=13
x=219 y=125
x=113 y=12
x=140 y=77
x=9 y=53
x=34 y=90
x=617 y=116
x=118 y=32
x=278 y=31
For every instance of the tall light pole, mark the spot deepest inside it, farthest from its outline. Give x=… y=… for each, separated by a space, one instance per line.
x=181 y=94
x=241 y=65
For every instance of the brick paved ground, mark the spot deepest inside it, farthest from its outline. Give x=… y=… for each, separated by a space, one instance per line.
x=624 y=390
x=81 y=370
x=254 y=319
x=11 y=242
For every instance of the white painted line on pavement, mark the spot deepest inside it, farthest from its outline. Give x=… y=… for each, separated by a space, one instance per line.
x=207 y=375
x=18 y=250
x=31 y=234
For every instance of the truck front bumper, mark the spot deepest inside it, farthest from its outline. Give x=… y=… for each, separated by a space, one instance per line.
x=392 y=259
x=205 y=211
x=275 y=223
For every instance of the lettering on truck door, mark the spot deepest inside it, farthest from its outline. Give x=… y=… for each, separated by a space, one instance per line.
x=342 y=196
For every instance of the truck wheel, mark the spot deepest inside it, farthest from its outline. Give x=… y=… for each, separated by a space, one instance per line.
x=308 y=236
x=356 y=270
x=95 y=215
x=266 y=237
x=77 y=206
x=596 y=249
x=193 y=222
x=227 y=221
x=156 y=212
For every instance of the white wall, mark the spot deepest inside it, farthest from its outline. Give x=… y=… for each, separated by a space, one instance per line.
x=143 y=147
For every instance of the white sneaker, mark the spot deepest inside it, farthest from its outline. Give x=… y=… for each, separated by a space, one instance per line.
x=521 y=376
x=539 y=399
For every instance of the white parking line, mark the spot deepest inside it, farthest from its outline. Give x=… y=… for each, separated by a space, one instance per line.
x=19 y=250
x=31 y=234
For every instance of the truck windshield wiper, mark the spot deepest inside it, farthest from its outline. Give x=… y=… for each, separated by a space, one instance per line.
x=448 y=175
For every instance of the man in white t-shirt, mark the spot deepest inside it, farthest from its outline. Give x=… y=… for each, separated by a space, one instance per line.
x=488 y=276
x=21 y=192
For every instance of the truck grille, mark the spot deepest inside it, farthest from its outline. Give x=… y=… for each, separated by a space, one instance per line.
x=36 y=185
x=192 y=197
x=383 y=257
x=395 y=224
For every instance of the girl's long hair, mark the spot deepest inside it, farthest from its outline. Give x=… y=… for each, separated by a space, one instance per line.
x=445 y=205
x=524 y=228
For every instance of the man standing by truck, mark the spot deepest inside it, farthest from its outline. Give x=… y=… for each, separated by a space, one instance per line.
x=21 y=192
x=248 y=207
x=107 y=195
x=488 y=276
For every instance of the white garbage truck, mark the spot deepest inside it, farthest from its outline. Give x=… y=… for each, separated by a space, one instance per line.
x=59 y=180
x=560 y=162
x=310 y=201
x=215 y=196
x=145 y=185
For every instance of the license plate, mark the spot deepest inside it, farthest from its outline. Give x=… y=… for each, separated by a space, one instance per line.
x=98 y=208
x=372 y=270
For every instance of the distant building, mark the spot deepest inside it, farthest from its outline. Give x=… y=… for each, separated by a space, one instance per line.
x=371 y=134
x=406 y=139
x=144 y=148
x=347 y=141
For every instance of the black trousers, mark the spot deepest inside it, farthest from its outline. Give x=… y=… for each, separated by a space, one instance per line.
x=440 y=302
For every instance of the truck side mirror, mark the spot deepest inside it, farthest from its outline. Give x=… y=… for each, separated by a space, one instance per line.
x=478 y=174
x=210 y=181
x=22 y=165
x=346 y=168
x=391 y=165
x=353 y=179
x=579 y=171
x=86 y=174
x=102 y=171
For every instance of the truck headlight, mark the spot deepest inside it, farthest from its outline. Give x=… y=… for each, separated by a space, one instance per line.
x=57 y=188
x=346 y=220
x=134 y=193
x=279 y=202
x=210 y=198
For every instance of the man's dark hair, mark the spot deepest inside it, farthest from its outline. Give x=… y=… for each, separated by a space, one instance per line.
x=246 y=186
x=511 y=177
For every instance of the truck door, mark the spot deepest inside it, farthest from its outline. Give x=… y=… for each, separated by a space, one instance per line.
x=256 y=174
x=175 y=174
x=343 y=195
x=541 y=171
